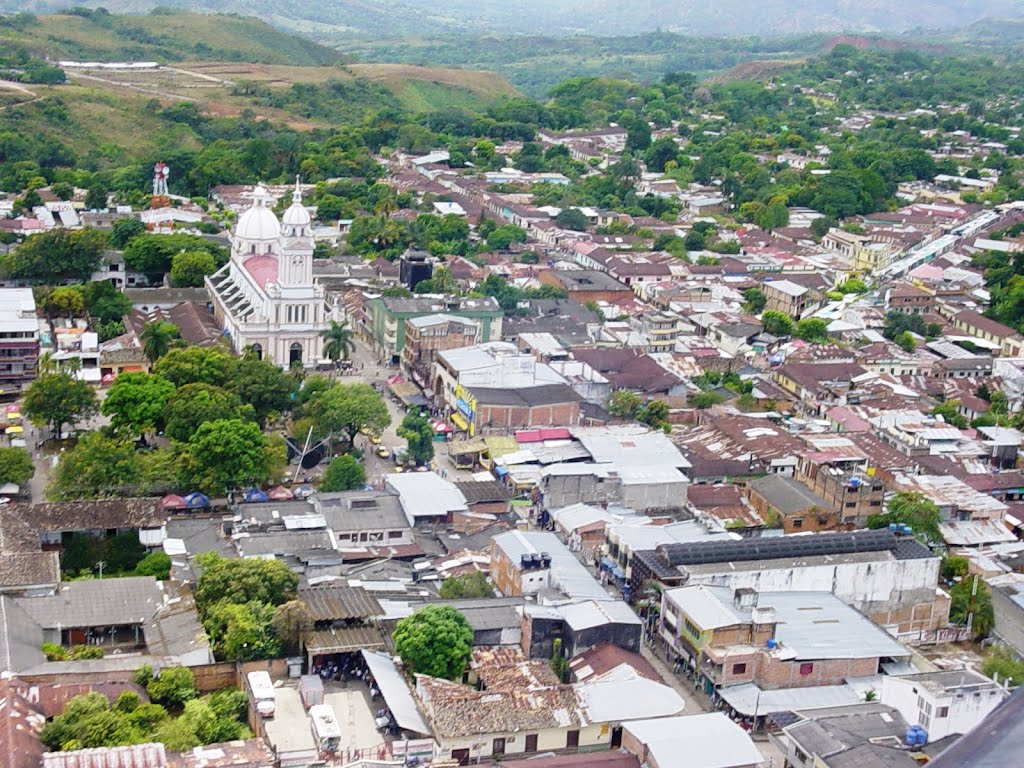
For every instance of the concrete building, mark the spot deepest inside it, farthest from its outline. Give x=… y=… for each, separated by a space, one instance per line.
x=868 y=734
x=265 y=297
x=772 y=639
x=943 y=703
x=708 y=740
x=19 y=339
x=889 y=579
x=839 y=476
x=791 y=503
x=789 y=298
x=494 y=387
x=386 y=319
x=579 y=626
x=632 y=467
x=529 y=562
x=426 y=336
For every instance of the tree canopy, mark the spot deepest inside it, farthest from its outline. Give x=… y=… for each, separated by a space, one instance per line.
x=57 y=400
x=344 y=473
x=15 y=466
x=436 y=640
x=418 y=431
x=136 y=402
x=345 y=409
x=914 y=510
x=56 y=255
x=228 y=454
x=192 y=405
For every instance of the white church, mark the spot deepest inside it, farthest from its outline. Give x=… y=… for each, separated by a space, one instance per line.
x=265 y=297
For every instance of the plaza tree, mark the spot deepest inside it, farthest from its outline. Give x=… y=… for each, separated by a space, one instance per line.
x=345 y=409
x=15 y=466
x=57 y=400
x=193 y=405
x=136 y=403
x=228 y=454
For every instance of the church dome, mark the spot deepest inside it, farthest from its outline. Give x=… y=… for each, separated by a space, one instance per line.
x=258 y=223
x=297 y=215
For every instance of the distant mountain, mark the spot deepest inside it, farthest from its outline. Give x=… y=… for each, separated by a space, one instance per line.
x=397 y=18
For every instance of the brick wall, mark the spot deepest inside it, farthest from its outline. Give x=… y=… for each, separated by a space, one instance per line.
x=772 y=673
x=504 y=417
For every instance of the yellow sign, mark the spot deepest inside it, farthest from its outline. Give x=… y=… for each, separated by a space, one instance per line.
x=459 y=421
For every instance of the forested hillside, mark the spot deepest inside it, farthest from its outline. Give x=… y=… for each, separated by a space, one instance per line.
x=571 y=17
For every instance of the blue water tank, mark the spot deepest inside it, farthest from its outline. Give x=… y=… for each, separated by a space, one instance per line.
x=916 y=736
x=771 y=643
x=854 y=482
x=894 y=527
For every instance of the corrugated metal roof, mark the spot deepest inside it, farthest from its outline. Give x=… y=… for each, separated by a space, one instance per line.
x=134 y=756
x=343 y=640
x=396 y=692
x=709 y=740
x=332 y=603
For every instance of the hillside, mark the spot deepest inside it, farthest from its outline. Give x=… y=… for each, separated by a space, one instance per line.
x=163 y=37
x=537 y=64
x=572 y=17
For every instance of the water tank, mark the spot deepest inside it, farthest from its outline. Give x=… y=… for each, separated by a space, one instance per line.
x=916 y=736
x=771 y=643
x=545 y=559
x=855 y=482
x=526 y=560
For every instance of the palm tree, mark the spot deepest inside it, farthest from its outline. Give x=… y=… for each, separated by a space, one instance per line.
x=156 y=339
x=339 y=342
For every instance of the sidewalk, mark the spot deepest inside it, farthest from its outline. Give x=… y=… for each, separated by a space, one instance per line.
x=696 y=701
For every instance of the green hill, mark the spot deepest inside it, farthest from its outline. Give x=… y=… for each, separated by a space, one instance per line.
x=164 y=37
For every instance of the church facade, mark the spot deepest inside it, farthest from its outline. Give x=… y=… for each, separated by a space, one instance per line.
x=265 y=297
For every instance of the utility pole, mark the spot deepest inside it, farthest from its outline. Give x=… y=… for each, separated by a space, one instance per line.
x=100 y=565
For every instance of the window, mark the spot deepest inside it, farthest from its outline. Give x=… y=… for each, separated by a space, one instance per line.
x=851 y=504
x=572 y=739
x=875 y=503
x=798 y=522
x=739 y=669
x=531 y=742
x=806 y=668
x=941 y=712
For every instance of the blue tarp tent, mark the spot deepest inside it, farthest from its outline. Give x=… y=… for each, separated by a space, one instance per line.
x=255 y=494
x=197 y=500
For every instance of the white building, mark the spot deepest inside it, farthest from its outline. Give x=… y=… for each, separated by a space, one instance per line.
x=265 y=296
x=943 y=703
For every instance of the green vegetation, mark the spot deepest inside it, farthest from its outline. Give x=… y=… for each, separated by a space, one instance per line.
x=15 y=466
x=343 y=410
x=436 y=640
x=418 y=431
x=1004 y=665
x=537 y=64
x=344 y=473
x=98 y=35
x=472 y=585
x=56 y=400
x=236 y=601
x=90 y=721
x=971 y=601
x=629 y=405
x=914 y=510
